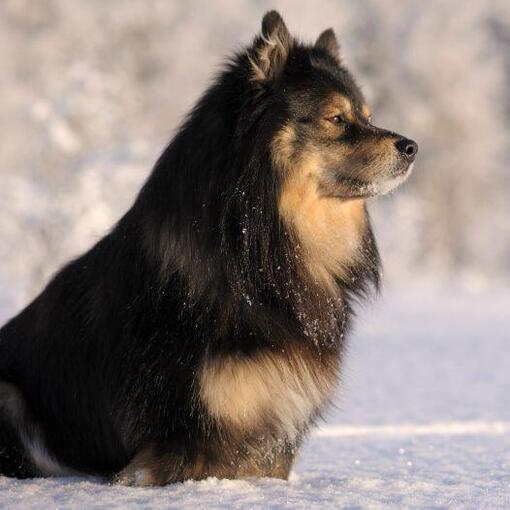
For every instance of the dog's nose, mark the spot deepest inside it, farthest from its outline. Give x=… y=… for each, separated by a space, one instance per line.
x=408 y=148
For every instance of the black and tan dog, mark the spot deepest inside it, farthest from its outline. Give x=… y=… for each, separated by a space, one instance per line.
x=203 y=336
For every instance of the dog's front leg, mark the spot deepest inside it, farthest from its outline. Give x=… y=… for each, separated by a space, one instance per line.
x=153 y=466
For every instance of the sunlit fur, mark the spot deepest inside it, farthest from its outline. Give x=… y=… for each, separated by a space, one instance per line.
x=203 y=335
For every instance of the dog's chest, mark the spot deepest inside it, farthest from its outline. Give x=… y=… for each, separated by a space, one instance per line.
x=279 y=390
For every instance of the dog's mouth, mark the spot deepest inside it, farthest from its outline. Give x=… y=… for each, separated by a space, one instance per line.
x=381 y=175
x=365 y=172
x=392 y=182
x=381 y=184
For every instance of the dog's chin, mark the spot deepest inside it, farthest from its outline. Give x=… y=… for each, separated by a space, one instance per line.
x=384 y=185
x=352 y=188
x=390 y=183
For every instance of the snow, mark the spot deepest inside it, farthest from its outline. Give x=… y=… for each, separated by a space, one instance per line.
x=422 y=421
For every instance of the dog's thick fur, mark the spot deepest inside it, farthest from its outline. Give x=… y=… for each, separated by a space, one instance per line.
x=203 y=336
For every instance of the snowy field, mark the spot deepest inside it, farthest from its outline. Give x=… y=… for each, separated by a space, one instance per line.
x=422 y=421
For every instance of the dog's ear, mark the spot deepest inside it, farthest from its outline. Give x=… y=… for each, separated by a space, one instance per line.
x=327 y=41
x=270 y=49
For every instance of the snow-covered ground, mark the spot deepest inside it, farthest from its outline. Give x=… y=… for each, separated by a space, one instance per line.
x=422 y=421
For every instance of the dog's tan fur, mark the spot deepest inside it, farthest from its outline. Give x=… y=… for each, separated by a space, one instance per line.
x=329 y=229
x=271 y=54
x=338 y=104
x=282 y=388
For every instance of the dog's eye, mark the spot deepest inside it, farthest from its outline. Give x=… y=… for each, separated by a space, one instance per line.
x=337 y=119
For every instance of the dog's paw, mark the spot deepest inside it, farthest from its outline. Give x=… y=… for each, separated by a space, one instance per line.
x=141 y=477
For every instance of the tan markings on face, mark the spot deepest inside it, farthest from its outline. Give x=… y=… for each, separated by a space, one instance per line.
x=375 y=161
x=279 y=389
x=365 y=112
x=282 y=150
x=329 y=229
x=337 y=104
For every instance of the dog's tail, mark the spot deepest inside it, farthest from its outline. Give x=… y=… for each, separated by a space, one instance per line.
x=23 y=450
x=14 y=461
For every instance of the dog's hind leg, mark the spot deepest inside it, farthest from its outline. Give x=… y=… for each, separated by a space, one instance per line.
x=23 y=452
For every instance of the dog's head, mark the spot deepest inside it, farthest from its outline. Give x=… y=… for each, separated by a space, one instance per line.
x=324 y=149
x=326 y=135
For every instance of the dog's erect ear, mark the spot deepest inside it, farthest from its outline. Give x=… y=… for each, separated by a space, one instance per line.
x=271 y=48
x=327 y=41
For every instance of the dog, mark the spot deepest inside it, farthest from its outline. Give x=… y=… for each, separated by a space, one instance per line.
x=203 y=336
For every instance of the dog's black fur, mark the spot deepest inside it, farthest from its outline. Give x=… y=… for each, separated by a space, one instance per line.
x=102 y=368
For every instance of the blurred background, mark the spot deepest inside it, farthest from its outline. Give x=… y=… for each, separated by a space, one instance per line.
x=93 y=90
